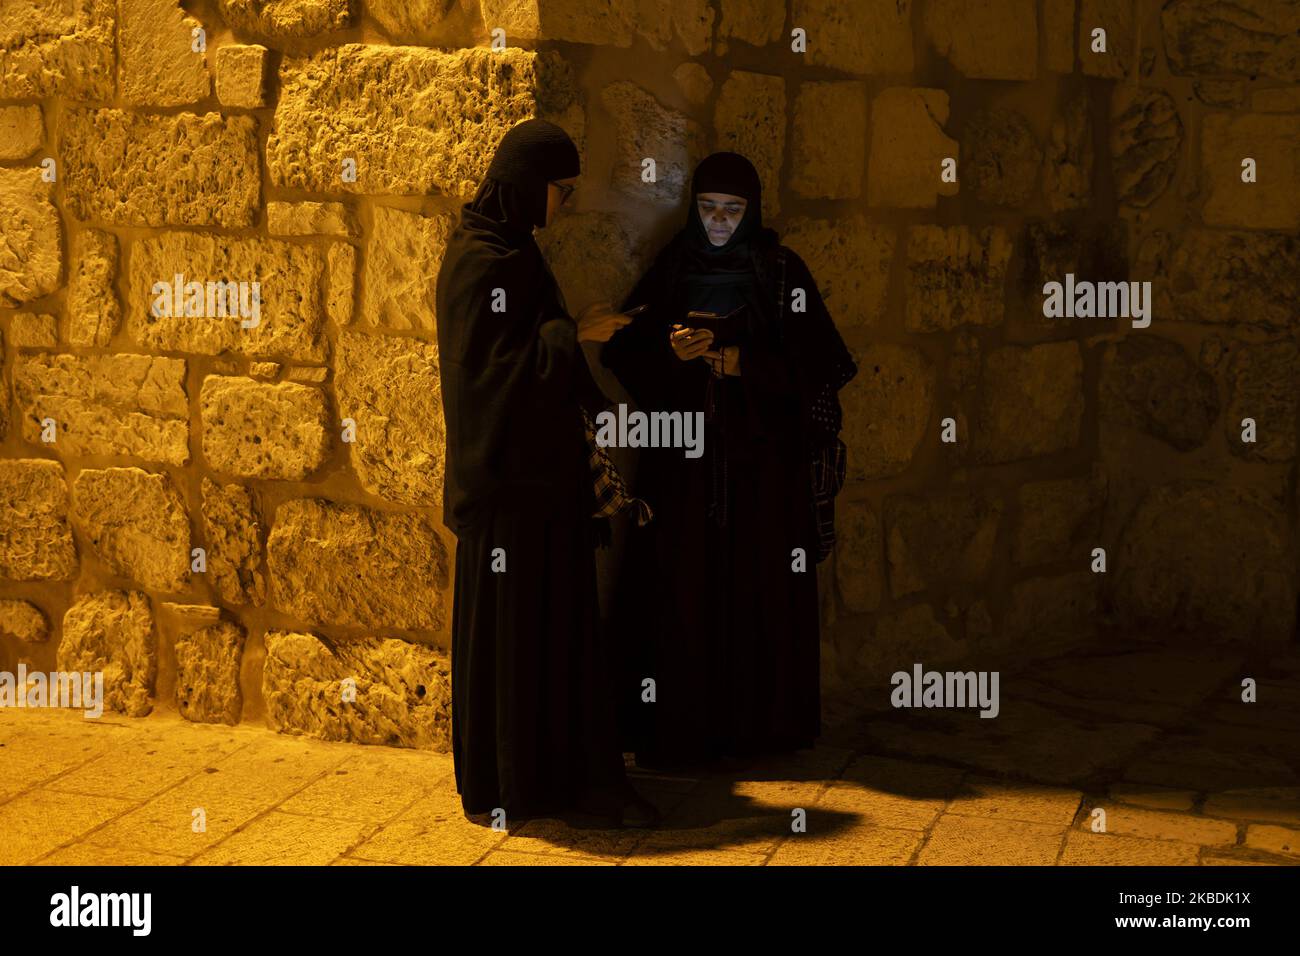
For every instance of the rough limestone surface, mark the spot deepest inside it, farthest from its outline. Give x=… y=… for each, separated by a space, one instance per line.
x=886 y=409
x=1273 y=141
x=850 y=260
x=288 y=19
x=759 y=22
x=93 y=309
x=1058 y=35
x=1032 y=402
x=994 y=40
x=1207 y=562
x=157 y=62
x=908 y=147
x=645 y=129
x=402 y=266
x=1151 y=383
x=136 y=522
x=1251 y=38
x=257 y=429
x=609 y=23
x=339 y=564
x=750 y=119
x=32 y=330
x=1146 y=137
x=1262 y=386
x=1059 y=518
x=567 y=244
x=857 y=37
x=830 y=140
x=36 y=541
x=859 y=556
x=955 y=276
x=414 y=120
x=290 y=308
x=113 y=632
x=934 y=540
x=24 y=621
x=392 y=389
x=340 y=283
x=31 y=239
x=21 y=131
x=120 y=404
x=370 y=691
x=1117 y=18
x=1051 y=610
x=1068 y=158
x=694 y=82
x=57 y=49
x=135 y=169
x=406 y=17
x=234 y=543
x=1002 y=158
x=665 y=22
x=312 y=219
x=241 y=75
x=207 y=674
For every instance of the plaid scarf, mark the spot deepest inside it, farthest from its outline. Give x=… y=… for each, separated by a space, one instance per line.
x=611 y=491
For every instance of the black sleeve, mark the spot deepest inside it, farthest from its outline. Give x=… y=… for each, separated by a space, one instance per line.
x=639 y=354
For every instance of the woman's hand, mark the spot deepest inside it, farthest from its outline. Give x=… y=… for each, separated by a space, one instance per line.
x=726 y=361
x=689 y=343
x=598 y=322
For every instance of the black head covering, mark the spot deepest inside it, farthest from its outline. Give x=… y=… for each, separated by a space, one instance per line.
x=735 y=175
x=530 y=155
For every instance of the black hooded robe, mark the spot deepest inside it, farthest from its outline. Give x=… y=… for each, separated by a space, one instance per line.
x=532 y=710
x=715 y=614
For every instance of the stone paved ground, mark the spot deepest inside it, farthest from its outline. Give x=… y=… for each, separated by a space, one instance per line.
x=1185 y=773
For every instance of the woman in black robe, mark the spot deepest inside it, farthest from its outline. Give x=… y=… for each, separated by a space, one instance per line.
x=532 y=708
x=713 y=602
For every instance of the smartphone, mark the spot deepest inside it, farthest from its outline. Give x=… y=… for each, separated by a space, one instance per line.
x=725 y=328
x=638 y=310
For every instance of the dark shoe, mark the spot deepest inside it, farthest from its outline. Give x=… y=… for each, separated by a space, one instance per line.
x=639 y=813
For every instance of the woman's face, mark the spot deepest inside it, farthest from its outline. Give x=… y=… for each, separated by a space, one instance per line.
x=556 y=196
x=721 y=214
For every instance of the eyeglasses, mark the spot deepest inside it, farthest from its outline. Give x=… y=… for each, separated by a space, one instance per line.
x=565 y=191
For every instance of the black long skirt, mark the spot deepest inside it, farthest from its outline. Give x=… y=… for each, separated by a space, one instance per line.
x=533 y=721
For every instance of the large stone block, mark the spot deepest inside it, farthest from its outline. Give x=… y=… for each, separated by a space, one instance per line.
x=609 y=23
x=644 y=129
x=341 y=283
x=417 y=17
x=57 y=49
x=749 y=118
x=1117 y=18
x=955 y=276
x=850 y=260
x=886 y=409
x=157 y=62
x=940 y=539
x=24 y=620
x=994 y=40
x=31 y=239
x=567 y=245
x=289 y=19
x=312 y=219
x=132 y=405
x=241 y=75
x=859 y=556
x=392 y=389
x=132 y=169
x=207 y=674
x=339 y=564
x=113 y=632
x=1146 y=137
x=759 y=22
x=830 y=140
x=402 y=266
x=1032 y=402
x=137 y=524
x=93 y=309
x=1068 y=158
x=441 y=117
x=1002 y=157
x=402 y=690
x=663 y=21
x=1058 y=35
x=908 y=147
x=290 y=284
x=1052 y=612
x=1059 y=518
x=21 y=131
x=32 y=330
x=1252 y=38
x=261 y=430
x=1263 y=382
x=1273 y=141
x=857 y=37
x=234 y=538
x=1209 y=563
x=1150 y=383
x=35 y=539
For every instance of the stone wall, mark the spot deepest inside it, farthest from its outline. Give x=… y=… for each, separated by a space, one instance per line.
x=239 y=519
